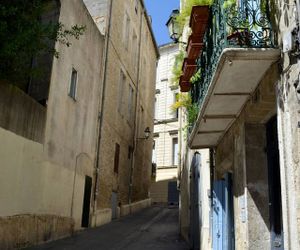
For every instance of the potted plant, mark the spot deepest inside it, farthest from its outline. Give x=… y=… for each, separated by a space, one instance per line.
x=199 y=19
x=184 y=84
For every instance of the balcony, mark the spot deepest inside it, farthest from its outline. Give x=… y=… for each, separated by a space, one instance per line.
x=238 y=49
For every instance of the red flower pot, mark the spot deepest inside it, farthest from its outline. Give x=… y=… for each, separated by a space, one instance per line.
x=194 y=47
x=199 y=19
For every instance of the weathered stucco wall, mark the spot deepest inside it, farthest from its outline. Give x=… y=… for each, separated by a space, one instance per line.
x=35 y=195
x=21 y=114
x=242 y=152
x=42 y=185
x=159 y=186
x=288 y=109
x=257 y=187
x=204 y=199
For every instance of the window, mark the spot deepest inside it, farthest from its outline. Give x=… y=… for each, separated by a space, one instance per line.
x=175 y=152
x=126 y=31
x=155 y=108
x=136 y=6
x=130 y=103
x=154 y=157
x=122 y=82
x=73 y=84
x=145 y=78
x=117 y=156
x=134 y=51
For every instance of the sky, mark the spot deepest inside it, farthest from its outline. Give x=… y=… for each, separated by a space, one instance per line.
x=160 y=11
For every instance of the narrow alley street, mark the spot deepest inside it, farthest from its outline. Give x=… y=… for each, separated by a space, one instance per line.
x=153 y=228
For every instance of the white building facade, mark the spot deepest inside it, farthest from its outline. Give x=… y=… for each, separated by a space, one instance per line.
x=166 y=130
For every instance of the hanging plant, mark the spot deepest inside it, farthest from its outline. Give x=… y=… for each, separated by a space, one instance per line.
x=186 y=11
x=184 y=100
x=177 y=68
x=196 y=77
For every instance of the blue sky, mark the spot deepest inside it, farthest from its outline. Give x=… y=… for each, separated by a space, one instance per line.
x=160 y=11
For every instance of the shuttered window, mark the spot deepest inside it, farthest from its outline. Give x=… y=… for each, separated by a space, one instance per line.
x=117 y=156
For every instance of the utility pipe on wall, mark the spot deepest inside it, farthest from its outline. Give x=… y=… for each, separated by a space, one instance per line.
x=98 y=146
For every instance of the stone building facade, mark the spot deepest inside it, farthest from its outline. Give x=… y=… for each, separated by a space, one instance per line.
x=166 y=129
x=124 y=156
x=59 y=170
x=249 y=117
x=47 y=151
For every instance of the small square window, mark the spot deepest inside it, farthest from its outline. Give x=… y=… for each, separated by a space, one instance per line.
x=73 y=84
x=175 y=152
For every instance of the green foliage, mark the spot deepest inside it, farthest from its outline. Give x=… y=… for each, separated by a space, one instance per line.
x=186 y=10
x=229 y=4
x=196 y=77
x=177 y=67
x=192 y=114
x=184 y=100
x=24 y=36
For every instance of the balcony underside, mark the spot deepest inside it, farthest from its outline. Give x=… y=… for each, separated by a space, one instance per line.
x=238 y=74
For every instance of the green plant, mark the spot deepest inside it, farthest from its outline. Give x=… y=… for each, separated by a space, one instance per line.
x=24 y=36
x=186 y=10
x=177 y=67
x=229 y=4
x=196 y=77
x=192 y=114
x=184 y=100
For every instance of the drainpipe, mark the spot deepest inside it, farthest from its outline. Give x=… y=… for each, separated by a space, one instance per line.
x=179 y=170
x=98 y=146
x=134 y=142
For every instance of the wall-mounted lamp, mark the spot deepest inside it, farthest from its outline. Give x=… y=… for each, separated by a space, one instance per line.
x=147 y=133
x=173 y=27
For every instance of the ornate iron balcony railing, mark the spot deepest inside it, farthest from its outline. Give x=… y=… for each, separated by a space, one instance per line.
x=245 y=25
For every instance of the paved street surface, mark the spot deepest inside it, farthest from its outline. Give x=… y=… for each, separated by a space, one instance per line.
x=154 y=228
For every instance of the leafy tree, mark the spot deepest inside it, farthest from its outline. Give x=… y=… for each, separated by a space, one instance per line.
x=24 y=35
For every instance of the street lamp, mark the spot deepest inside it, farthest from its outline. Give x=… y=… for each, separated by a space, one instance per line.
x=147 y=133
x=173 y=27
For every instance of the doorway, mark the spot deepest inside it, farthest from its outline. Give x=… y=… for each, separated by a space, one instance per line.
x=195 y=203
x=275 y=206
x=173 y=193
x=223 y=214
x=114 y=205
x=85 y=221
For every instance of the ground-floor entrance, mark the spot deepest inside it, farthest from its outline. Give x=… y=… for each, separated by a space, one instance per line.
x=275 y=205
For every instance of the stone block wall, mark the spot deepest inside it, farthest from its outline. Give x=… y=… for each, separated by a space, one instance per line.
x=242 y=152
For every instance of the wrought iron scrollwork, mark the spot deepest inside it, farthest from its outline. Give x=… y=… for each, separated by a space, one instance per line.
x=245 y=24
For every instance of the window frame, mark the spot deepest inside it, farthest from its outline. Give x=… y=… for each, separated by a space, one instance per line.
x=174 y=153
x=122 y=83
x=126 y=33
x=130 y=107
x=73 y=84
x=117 y=158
